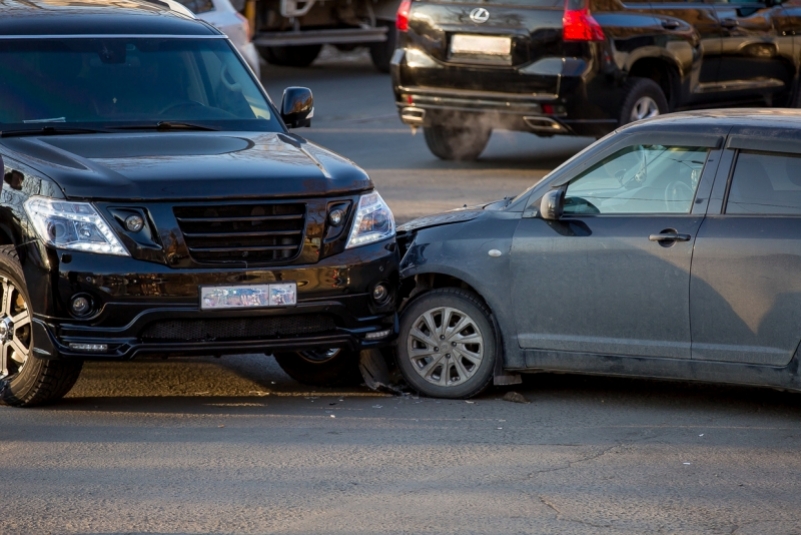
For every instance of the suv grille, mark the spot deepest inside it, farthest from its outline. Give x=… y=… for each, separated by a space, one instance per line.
x=238 y=328
x=253 y=233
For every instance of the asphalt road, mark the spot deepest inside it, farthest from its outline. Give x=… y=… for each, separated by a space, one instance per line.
x=206 y=446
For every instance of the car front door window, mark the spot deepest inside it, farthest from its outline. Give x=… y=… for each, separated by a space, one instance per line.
x=640 y=179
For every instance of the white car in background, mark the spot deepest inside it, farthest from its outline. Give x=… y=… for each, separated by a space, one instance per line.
x=222 y=15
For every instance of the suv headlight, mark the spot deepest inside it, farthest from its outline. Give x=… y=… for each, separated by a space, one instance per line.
x=72 y=225
x=373 y=221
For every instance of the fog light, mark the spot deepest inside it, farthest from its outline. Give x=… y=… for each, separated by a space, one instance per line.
x=134 y=223
x=380 y=293
x=378 y=335
x=336 y=217
x=81 y=305
x=96 y=348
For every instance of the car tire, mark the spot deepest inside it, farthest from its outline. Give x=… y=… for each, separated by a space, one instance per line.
x=381 y=53
x=431 y=370
x=322 y=367
x=29 y=381
x=291 y=56
x=459 y=144
x=642 y=99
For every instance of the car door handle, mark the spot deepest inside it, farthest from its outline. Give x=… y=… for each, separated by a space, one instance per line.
x=729 y=23
x=670 y=236
x=670 y=24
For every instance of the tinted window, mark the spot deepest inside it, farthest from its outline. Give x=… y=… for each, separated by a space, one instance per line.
x=198 y=6
x=106 y=82
x=765 y=183
x=641 y=179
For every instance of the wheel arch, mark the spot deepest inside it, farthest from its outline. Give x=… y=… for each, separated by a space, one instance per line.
x=662 y=71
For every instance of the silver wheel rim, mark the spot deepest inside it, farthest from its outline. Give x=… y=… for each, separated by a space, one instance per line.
x=15 y=330
x=644 y=108
x=445 y=346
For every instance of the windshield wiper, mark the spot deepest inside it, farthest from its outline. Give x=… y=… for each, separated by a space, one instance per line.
x=165 y=125
x=50 y=131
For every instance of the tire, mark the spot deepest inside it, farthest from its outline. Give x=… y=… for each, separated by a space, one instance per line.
x=642 y=99
x=459 y=144
x=291 y=56
x=318 y=368
x=433 y=371
x=29 y=380
x=381 y=53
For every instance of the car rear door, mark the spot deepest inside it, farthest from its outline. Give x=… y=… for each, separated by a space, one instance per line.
x=612 y=276
x=745 y=289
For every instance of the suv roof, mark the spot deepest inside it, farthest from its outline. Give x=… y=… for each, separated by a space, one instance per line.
x=95 y=17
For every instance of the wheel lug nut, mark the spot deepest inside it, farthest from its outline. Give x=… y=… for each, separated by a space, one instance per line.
x=436 y=350
x=447 y=355
x=442 y=337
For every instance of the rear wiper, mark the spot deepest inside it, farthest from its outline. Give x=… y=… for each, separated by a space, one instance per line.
x=50 y=131
x=165 y=125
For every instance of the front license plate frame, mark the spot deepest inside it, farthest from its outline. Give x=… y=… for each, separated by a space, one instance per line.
x=248 y=296
x=481 y=45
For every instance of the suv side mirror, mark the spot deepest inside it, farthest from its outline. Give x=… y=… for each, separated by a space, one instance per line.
x=297 y=107
x=552 y=204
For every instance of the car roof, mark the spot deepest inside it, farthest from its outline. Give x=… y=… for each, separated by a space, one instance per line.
x=96 y=17
x=722 y=121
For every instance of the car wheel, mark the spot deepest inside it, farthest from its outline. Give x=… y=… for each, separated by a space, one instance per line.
x=642 y=99
x=29 y=381
x=322 y=367
x=291 y=56
x=447 y=344
x=381 y=53
x=456 y=143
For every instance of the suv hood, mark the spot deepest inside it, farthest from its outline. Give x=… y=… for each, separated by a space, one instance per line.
x=187 y=165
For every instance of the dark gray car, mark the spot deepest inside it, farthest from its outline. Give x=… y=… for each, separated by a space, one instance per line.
x=669 y=249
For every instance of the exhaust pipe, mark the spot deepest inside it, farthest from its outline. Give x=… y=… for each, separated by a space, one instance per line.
x=544 y=125
x=413 y=116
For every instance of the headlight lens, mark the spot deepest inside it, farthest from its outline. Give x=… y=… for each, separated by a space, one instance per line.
x=373 y=222
x=72 y=225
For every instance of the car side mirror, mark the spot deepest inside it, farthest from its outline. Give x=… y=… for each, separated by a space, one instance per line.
x=552 y=204
x=297 y=107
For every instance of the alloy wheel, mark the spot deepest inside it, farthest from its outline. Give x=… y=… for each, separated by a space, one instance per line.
x=644 y=108
x=15 y=330
x=445 y=346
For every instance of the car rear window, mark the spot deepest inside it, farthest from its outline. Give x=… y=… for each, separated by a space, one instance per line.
x=765 y=183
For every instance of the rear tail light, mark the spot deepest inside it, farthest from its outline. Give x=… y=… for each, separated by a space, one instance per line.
x=245 y=25
x=402 y=22
x=578 y=24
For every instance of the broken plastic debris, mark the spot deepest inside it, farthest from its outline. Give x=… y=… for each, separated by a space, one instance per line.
x=333 y=416
x=470 y=402
x=514 y=397
x=701 y=435
x=378 y=406
x=686 y=463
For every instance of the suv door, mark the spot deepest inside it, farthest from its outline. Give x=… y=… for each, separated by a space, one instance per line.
x=612 y=275
x=675 y=16
x=756 y=59
x=745 y=290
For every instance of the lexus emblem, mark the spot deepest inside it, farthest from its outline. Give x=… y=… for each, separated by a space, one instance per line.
x=479 y=15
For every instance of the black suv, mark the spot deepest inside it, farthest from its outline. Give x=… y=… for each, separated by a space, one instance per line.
x=583 y=67
x=154 y=203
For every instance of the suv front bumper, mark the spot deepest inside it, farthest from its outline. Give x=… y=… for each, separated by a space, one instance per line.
x=144 y=308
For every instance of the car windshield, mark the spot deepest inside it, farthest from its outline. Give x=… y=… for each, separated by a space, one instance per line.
x=119 y=82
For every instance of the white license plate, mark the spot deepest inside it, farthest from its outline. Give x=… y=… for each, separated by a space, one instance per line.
x=481 y=44
x=251 y=296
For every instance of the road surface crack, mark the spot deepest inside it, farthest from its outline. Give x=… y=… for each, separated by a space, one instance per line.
x=561 y=516
x=571 y=463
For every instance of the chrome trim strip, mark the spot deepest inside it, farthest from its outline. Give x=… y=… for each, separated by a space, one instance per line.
x=113 y=36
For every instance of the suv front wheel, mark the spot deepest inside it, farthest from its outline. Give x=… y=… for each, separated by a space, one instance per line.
x=642 y=99
x=28 y=380
x=322 y=367
x=448 y=143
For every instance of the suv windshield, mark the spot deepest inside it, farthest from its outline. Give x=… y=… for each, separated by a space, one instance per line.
x=118 y=82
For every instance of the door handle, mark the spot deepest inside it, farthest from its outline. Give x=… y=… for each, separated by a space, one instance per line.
x=669 y=236
x=729 y=23
x=670 y=24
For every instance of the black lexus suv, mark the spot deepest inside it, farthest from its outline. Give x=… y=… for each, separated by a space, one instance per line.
x=584 y=67
x=154 y=203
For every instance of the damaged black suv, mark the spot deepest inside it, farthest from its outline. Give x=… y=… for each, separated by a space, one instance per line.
x=154 y=203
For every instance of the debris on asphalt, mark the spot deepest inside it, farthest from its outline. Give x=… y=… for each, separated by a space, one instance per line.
x=686 y=463
x=333 y=416
x=500 y=428
x=701 y=435
x=378 y=406
x=469 y=402
x=515 y=397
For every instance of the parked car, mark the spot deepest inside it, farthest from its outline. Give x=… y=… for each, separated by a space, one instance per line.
x=669 y=249
x=154 y=203
x=584 y=67
x=222 y=15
